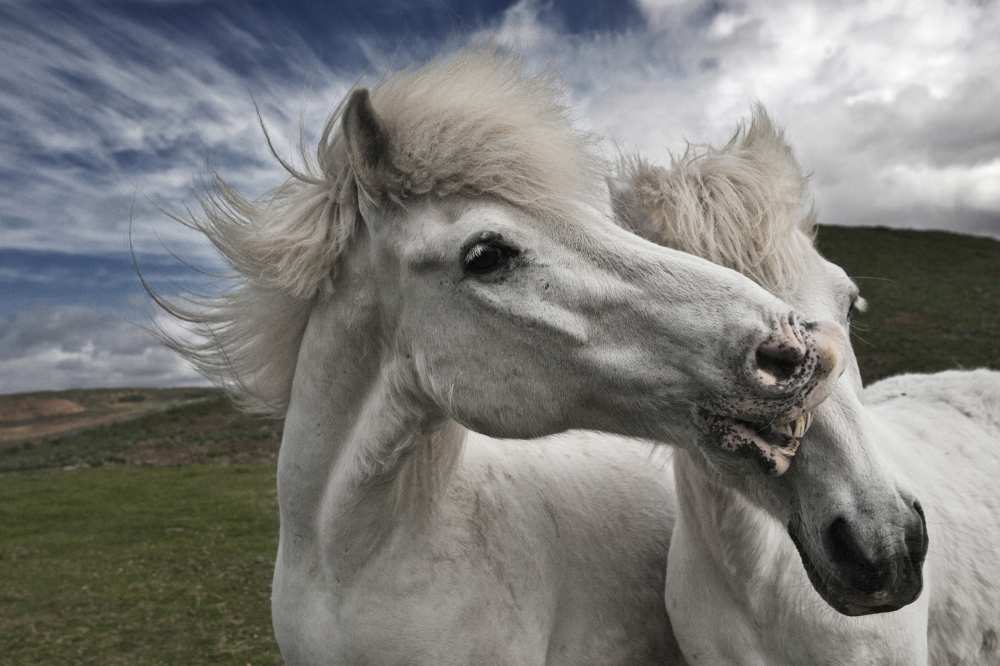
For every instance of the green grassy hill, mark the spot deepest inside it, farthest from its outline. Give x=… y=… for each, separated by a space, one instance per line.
x=203 y=431
x=934 y=298
x=150 y=540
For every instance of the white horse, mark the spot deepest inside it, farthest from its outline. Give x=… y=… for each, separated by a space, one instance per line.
x=753 y=557
x=441 y=271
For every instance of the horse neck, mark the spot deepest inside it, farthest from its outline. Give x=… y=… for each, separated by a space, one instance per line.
x=742 y=543
x=361 y=453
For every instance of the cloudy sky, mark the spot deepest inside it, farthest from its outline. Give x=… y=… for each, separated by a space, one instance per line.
x=109 y=111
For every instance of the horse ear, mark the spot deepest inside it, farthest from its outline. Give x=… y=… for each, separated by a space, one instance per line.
x=367 y=142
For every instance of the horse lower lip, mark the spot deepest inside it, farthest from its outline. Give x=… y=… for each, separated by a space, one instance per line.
x=857 y=610
x=773 y=449
x=777 y=442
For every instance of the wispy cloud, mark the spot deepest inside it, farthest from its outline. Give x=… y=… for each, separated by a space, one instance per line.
x=107 y=115
x=108 y=111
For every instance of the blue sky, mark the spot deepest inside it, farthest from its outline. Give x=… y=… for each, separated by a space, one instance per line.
x=109 y=111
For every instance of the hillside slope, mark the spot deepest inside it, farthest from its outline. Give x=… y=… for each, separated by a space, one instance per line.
x=934 y=298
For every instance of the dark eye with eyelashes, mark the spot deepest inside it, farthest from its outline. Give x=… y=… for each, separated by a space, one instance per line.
x=486 y=254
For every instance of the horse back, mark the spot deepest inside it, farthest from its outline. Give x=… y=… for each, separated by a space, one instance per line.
x=943 y=433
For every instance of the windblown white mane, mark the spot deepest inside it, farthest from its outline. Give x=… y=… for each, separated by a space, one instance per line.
x=472 y=124
x=745 y=205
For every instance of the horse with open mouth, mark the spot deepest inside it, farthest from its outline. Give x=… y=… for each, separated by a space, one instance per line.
x=803 y=568
x=441 y=270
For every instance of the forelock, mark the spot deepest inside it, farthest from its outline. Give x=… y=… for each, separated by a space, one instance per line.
x=745 y=205
x=477 y=123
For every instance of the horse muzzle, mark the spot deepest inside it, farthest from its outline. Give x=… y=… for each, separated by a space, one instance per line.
x=860 y=571
x=785 y=376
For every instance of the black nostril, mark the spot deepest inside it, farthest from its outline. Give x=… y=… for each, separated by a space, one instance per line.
x=845 y=550
x=779 y=359
x=841 y=544
x=916 y=537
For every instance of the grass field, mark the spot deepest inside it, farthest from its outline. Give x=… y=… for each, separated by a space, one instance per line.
x=151 y=540
x=122 y=565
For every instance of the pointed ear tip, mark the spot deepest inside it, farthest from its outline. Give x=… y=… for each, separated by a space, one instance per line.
x=367 y=141
x=359 y=98
x=359 y=120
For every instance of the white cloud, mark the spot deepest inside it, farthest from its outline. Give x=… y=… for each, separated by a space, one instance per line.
x=976 y=187
x=520 y=28
x=75 y=347
x=874 y=95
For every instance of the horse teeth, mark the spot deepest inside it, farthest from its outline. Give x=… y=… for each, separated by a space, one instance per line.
x=801 y=425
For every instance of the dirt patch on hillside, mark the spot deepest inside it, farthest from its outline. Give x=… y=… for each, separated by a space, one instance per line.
x=29 y=409
x=139 y=427
x=50 y=427
x=37 y=416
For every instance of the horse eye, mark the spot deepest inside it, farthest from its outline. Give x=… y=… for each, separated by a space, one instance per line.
x=486 y=257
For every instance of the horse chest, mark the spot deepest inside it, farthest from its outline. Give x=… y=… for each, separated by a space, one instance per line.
x=423 y=608
x=495 y=575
